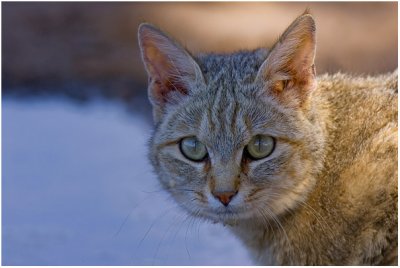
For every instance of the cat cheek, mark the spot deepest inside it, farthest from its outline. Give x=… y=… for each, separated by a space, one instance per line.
x=261 y=173
x=200 y=198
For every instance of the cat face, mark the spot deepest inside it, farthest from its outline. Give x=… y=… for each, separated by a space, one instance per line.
x=233 y=139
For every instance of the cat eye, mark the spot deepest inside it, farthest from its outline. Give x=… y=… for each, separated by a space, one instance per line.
x=260 y=146
x=193 y=149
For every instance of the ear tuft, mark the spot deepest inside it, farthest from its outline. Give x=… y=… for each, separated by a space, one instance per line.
x=307 y=11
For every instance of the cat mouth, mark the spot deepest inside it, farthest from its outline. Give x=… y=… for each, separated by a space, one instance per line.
x=226 y=216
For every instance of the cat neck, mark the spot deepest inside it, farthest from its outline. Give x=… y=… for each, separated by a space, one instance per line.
x=266 y=241
x=286 y=240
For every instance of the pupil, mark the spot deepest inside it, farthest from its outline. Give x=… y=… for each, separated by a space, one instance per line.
x=195 y=147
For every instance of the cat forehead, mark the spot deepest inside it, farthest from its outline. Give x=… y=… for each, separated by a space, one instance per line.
x=240 y=67
x=222 y=116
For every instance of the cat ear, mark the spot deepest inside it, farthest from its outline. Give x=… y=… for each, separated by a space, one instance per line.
x=289 y=67
x=170 y=68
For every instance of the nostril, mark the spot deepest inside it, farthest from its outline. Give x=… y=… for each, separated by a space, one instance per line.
x=224 y=197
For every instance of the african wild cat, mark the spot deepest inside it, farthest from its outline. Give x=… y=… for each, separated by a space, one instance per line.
x=303 y=169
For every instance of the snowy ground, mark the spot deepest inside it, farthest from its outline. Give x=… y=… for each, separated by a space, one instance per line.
x=77 y=189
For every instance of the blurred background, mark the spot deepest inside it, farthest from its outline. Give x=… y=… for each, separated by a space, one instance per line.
x=77 y=188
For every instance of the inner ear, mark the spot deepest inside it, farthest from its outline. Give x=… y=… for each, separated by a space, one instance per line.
x=162 y=89
x=281 y=84
x=171 y=69
x=290 y=63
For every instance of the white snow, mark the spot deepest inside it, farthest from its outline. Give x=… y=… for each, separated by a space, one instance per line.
x=78 y=190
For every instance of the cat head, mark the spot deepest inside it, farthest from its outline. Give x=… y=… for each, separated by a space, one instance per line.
x=235 y=137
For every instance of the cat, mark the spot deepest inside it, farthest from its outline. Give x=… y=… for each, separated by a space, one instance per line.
x=301 y=168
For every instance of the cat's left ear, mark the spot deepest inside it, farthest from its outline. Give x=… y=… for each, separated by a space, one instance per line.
x=289 y=69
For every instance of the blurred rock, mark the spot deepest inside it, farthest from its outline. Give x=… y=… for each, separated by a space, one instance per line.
x=51 y=44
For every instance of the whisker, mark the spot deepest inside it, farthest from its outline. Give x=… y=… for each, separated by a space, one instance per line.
x=309 y=209
x=266 y=220
x=280 y=227
x=162 y=239
x=154 y=222
x=129 y=215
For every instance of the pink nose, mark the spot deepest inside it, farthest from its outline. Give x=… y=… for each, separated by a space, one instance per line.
x=224 y=197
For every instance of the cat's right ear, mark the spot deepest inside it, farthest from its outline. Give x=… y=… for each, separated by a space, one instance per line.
x=171 y=70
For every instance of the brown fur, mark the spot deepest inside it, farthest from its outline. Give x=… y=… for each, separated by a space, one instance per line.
x=350 y=218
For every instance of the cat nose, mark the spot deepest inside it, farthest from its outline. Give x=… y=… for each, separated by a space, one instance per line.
x=224 y=197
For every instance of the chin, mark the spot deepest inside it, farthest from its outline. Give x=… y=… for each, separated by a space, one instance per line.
x=226 y=216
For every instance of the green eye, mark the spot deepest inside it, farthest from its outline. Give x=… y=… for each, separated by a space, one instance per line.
x=193 y=149
x=260 y=146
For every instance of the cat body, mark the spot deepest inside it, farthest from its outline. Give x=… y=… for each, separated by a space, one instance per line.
x=303 y=169
x=350 y=217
